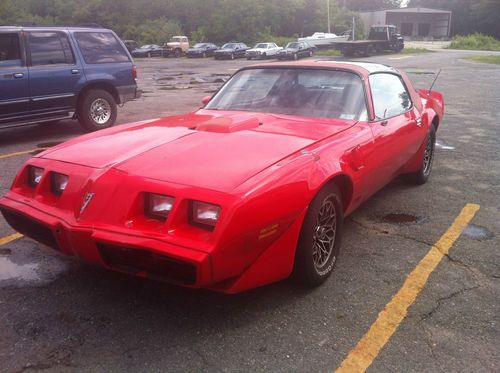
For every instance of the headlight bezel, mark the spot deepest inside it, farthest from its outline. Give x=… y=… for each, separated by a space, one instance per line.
x=149 y=205
x=208 y=223
x=58 y=182
x=34 y=179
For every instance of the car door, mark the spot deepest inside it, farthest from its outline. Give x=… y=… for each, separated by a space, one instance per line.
x=396 y=127
x=241 y=49
x=14 y=78
x=54 y=72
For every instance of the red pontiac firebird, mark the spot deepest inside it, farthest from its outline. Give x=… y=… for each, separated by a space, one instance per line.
x=247 y=190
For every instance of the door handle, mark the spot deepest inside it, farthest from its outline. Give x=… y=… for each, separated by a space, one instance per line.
x=75 y=71
x=18 y=75
x=384 y=123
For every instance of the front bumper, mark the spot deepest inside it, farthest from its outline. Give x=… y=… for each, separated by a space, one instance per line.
x=132 y=253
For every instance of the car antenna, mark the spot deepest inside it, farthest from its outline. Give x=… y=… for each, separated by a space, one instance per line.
x=434 y=81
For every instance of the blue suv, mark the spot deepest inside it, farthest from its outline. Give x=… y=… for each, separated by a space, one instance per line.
x=53 y=73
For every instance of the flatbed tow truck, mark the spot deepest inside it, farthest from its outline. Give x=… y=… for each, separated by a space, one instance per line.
x=380 y=38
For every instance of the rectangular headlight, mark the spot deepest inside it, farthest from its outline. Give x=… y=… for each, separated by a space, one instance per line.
x=158 y=206
x=58 y=183
x=34 y=175
x=204 y=214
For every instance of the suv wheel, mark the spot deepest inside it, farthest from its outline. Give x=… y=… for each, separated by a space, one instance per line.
x=97 y=110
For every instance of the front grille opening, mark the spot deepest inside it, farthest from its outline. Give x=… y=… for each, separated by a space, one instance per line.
x=30 y=228
x=155 y=266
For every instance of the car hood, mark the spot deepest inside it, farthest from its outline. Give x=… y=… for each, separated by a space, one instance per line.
x=208 y=149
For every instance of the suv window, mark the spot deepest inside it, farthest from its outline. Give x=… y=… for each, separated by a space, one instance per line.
x=49 y=48
x=390 y=97
x=101 y=47
x=10 y=54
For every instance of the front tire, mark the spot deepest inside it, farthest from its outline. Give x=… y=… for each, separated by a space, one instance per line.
x=97 y=110
x=422 y=175
x=320 y=238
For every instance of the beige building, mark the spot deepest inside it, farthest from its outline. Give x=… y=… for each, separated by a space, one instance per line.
x=412 y=23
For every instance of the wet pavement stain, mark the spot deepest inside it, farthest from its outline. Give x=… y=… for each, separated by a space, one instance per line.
x=401 y=218
x=5 y=251
x=10 y=270
x=478 y=232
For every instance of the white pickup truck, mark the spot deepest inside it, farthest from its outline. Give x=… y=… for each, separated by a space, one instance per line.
x=263 y=50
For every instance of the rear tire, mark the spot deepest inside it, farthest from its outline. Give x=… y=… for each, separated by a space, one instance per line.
x=422 y=175
x=97 y=110
x=320 y=238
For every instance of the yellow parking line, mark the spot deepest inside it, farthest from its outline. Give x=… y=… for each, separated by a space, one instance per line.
x=388 y=320
x=400 y=58
x=12 y=237
x=21 y=153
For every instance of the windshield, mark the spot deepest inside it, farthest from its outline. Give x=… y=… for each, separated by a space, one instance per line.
x=175 y=40
x=293 y=45
x=303 y=92
x=228 y=46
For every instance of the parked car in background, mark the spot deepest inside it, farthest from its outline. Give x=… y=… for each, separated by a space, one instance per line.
x=176 y=46
x=250 y=189
x=53 y=73
x=130 y=44
x=202 y=50
x=296 y=50
x=148 y=50
x=263 y=50
x=231 y=51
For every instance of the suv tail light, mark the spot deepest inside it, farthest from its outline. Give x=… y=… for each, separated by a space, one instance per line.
x=134 y=72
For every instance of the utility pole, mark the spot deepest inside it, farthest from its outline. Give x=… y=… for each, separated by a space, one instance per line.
x=328 y=12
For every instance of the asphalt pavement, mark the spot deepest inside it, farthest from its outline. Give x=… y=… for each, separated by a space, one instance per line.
x=60 y=315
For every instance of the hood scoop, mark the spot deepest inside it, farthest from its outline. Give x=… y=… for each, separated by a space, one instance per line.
x=228 y=124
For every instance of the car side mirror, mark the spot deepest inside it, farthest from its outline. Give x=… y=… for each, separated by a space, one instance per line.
x=205 y=100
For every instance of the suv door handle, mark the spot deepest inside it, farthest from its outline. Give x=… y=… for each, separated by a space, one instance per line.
x=75 y=71
x=18 y=75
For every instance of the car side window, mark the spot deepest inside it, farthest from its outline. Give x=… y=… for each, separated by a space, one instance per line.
x=10 y=51
x=390 y=97
x=101 y=47
x=49 y=48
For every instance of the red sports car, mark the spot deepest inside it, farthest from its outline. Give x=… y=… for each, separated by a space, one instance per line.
x=247 y=190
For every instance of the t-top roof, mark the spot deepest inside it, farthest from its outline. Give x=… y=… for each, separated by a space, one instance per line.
x=364 y=68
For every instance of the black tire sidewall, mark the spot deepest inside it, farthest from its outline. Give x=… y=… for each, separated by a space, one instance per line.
x=420 y=177
x=305 y=271
x=84 y=110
